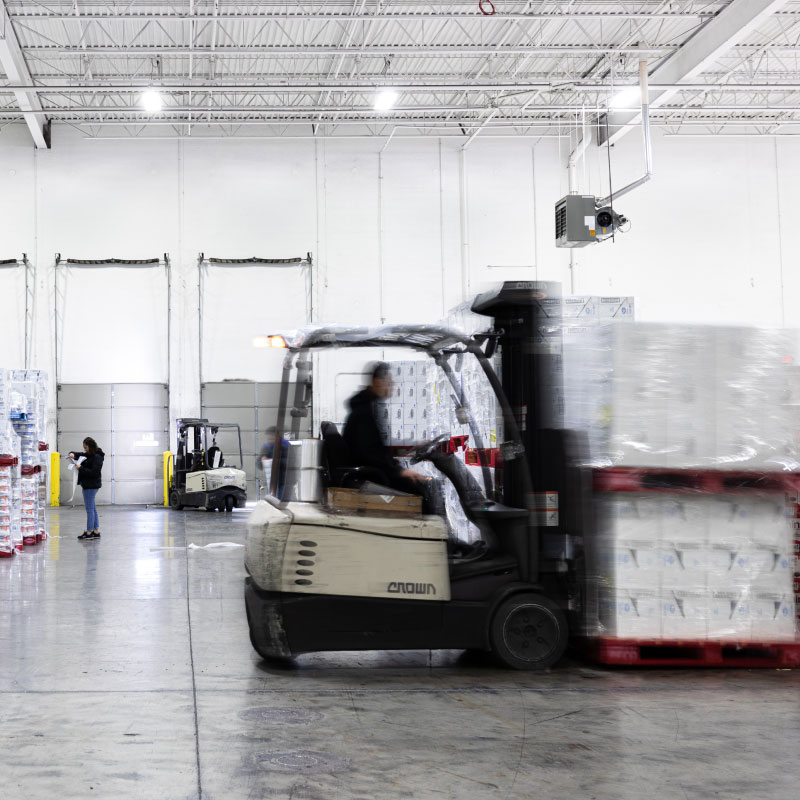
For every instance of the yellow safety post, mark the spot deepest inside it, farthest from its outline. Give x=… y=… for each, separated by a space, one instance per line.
x=167 y=475
x=55 y=479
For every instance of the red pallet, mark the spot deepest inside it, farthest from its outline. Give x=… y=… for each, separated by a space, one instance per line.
x=5 y=554
x=663 y=653
x=637 y=479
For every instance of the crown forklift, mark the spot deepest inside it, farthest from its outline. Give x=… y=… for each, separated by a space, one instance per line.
x=325 y=579
x=200 y=477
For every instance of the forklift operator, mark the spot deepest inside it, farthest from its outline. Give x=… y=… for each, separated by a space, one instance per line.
x=363 y=437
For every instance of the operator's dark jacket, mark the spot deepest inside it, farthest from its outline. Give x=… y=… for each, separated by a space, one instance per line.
x=89 y=473
x=363 y=437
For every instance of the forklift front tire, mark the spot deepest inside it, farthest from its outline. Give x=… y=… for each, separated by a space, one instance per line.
x=528 y=631
x=175 y=500
x=229 y=503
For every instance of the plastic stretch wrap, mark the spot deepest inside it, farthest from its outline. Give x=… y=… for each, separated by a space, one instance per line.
x=691 y=566
x=6 y=511
x=29 y=411
x=679 y=396
x=424 y=405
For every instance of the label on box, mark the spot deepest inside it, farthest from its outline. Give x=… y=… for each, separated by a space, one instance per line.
x=396 y=433
x=545 y=508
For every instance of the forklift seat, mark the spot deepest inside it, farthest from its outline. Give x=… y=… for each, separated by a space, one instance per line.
x=337 y=461
x=211 y=456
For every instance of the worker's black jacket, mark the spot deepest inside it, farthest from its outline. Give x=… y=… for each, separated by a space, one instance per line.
x=89 y=473
x=363 y=437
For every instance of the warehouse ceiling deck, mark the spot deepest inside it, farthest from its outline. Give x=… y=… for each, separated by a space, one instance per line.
x=313 y=68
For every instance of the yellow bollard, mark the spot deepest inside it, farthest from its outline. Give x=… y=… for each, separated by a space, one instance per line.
x=55 y=479
x=168 y=462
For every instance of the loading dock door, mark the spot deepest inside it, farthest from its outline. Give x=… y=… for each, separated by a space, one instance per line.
x=254 y=407
x=130 y=422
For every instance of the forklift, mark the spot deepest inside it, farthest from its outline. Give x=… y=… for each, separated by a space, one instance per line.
x=324 y=579
x=200 y=477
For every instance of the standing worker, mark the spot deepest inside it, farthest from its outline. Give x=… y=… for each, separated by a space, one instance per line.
x=90 y=483
x=267 y=456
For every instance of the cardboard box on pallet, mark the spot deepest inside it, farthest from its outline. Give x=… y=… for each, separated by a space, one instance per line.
x=715 y=563
x=633 y=613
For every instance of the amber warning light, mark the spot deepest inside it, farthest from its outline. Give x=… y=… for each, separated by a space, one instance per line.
x=269 y=342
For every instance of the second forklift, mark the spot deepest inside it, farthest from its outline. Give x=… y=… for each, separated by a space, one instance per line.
x=200 y=477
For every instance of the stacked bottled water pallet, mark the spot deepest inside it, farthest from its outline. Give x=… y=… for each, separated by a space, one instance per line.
x=693 y=440
x=27 y=403
x=10 y=521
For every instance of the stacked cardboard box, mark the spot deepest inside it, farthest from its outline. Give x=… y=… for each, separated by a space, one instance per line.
x=677 y=567
x=679 y=396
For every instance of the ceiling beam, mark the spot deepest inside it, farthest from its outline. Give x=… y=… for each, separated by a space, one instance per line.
x=385 y=16
x=460 y=123
x=13 y=63
x=531 y=109
x=383 y=50
x=601 y=87
x=712 y=40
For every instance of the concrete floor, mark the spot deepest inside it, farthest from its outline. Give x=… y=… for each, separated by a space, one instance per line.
x=126 y=672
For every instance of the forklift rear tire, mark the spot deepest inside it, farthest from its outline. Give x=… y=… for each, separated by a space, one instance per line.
x=528 y=631
x=229 y=503
x=175 y=500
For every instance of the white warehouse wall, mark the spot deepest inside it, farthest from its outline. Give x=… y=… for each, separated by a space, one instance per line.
x=399 y=231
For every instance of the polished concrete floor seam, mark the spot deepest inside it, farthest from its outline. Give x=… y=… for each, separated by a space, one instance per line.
x=194 y=679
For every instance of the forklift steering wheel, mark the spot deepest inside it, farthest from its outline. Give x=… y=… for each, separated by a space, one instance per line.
x=424 y=451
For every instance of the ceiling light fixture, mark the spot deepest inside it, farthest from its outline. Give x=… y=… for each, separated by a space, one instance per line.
x=629 y=97
x=385 y=99
x=152 y=101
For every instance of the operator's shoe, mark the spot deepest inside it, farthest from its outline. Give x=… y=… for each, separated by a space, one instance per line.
x=86 y=535
x=94 y=535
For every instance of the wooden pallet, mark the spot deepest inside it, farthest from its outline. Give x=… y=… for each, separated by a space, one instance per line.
x=664 y=653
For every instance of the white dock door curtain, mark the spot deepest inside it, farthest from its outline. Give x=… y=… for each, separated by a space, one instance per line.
x=12 y=314
x=111 y=322
x=240 y=300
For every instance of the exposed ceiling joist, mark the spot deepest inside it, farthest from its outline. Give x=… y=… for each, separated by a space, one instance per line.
x=13 y=62
x=41 y=14
x=601 y=87
x=280 y=51
x=732 y=25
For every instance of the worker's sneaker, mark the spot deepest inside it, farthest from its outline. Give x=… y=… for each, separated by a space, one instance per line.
x=86 y=535
x=94 y=535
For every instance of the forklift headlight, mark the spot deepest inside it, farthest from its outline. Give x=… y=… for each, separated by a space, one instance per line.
x=267 y=342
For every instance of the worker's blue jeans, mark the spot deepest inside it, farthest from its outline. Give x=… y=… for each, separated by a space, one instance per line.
x=92 y=521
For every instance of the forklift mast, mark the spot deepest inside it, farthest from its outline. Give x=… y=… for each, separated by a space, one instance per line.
x=190 y=455
x=527 y=317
